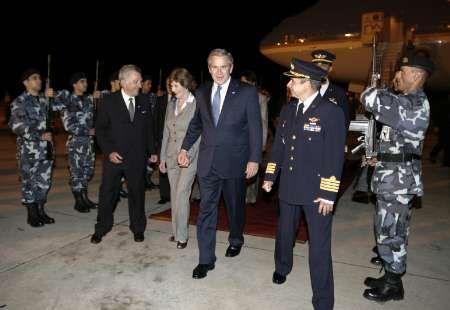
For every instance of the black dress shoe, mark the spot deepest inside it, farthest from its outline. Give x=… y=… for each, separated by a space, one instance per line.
x=278 y=278
x=95 y=239
x=181 y=245
x=201 y=270
x=139 y=237
x=233 y=251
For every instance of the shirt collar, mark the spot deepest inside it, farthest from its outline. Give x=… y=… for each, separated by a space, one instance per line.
x=126 y=97
x=308 y=101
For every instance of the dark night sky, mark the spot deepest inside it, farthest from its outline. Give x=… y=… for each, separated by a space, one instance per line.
x=169 y=36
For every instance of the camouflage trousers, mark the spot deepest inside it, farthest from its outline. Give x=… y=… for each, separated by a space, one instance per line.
x=36 y=179
x=81 y=161
x=392 y=219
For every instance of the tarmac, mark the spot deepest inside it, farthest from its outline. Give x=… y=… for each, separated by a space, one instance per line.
x=56 y=266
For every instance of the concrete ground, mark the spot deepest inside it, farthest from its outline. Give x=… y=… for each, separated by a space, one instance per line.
x=56 y=267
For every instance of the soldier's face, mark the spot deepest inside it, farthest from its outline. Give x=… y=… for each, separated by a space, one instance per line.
x=220 y=68
x=146 y=86
x=297 y=87
x=80 y=86
x=404 y=78
x=33 y=83
x=323 y=66
x=132 y=83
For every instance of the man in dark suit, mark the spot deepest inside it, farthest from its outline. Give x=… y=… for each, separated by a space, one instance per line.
x=228 y=119
x=324 y=60
x=125 y=136
x=310 y=132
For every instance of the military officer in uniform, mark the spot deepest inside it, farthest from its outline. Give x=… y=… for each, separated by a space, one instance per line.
x=397 y=177
x=310 y=132
x=29 y=113
x=78 y=120
x=324 y=60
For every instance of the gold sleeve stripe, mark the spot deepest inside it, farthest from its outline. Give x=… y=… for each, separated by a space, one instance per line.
x=328 y=189
x=329 y=183
x=329 y=186
x=270 y=170
x=330 y=180
x=271 y=165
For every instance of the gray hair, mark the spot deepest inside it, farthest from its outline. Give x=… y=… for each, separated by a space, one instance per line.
x=124 y=72
x=220 y=52
x=315 y=84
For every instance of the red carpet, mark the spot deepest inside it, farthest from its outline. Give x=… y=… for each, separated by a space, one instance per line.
x=263 y=217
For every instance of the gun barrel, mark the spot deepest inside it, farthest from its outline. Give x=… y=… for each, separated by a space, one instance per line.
x=360 y=126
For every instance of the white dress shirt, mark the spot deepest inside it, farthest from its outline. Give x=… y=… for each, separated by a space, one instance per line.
x=324 y=87
x=223 y=92
x=126 y=98
x=190 y=98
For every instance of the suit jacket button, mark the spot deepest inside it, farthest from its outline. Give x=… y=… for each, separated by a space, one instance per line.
x=292 y=147
x=292 y=157
x=309 y=139
x=290 y=168
x=294 y=137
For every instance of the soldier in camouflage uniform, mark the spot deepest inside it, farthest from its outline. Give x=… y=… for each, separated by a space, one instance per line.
x=28 y=121
x=78 y=120
x=397 y=177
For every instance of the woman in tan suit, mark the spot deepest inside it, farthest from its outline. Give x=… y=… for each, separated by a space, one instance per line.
x=179 y=113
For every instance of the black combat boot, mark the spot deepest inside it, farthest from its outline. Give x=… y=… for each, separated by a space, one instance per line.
x=33 y=217
x=376 y=260
x=43 y=216
x=87 y=201
x=375 y=282
x=80 y=205
x=391 y=288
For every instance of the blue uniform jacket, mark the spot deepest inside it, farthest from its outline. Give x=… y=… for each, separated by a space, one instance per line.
x=308 y=152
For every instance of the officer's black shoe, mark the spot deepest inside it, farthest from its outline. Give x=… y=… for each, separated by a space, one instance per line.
x=87 y=201
x=233 y=251
x=33 y=217
x=391 y=288
x=139 y=237
x=202 y=270
x=123 y=193
x=278 y=278
x=80 y=205
x=43 y=216
x=375 y=282
x=96 y=239
x=376 y=260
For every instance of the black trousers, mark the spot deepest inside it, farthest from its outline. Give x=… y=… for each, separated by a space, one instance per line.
x=320 y=263
x=111 y=183
x=211 y=188
x=164 y=186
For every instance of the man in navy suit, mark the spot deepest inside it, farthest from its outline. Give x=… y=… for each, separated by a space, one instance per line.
x=310 y=132
x=324 y=60
x=125 y=136
x=229 y=122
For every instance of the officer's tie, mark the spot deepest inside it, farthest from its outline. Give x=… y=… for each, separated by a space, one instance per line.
x=131 y=109
x=300 y=107
x=216 y=105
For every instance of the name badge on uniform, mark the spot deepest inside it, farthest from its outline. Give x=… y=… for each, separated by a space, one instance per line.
x=312 y=125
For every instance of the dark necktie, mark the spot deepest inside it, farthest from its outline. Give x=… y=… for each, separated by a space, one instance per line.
x=131 y=109
x=216 y=105
x=300 y=109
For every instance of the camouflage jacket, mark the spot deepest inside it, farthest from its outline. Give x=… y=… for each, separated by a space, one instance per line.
x=405 y=121
x=28 y=122
x=77 y=112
